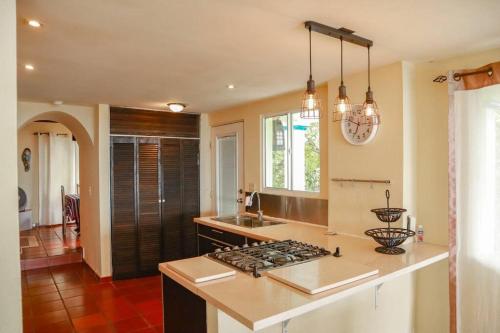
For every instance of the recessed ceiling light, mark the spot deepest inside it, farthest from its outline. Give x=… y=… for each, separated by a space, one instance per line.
x=230 y=86
x=34 y=23
x=29 y=67
x=176 y=107
x=57 y=102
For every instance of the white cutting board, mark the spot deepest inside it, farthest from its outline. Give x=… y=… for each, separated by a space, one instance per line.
x=322 y=274
x=200 y=269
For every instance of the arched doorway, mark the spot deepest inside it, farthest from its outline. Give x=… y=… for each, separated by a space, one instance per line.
x=64 y=128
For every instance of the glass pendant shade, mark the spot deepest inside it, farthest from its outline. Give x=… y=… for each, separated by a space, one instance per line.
x=311 y=103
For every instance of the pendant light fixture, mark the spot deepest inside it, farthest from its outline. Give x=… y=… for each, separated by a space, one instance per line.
x=311 y=103
x=370 y=108
x=342 y=104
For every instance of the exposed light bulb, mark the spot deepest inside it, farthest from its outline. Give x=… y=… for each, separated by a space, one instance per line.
x=230 y=86
x=29 y=67
x=369 y=110
x=341 y=107
x=310 y=101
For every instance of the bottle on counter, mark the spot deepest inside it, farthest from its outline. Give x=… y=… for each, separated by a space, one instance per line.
x=420 y=233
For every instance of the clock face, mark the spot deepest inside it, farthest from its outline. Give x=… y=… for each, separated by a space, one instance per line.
x=358 y=129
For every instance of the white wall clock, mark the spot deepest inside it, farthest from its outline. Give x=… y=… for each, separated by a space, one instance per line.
x=358 y=129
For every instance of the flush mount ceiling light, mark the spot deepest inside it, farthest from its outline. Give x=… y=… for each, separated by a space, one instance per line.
x=29 y=67
x=311 y=103
x=34 y=23
x=370 y=108
x=176 y=107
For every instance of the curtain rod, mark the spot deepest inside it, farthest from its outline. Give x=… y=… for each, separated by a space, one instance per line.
x=459 y=76
x=47 y=133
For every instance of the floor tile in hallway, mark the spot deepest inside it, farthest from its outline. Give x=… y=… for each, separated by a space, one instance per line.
x=70 y=298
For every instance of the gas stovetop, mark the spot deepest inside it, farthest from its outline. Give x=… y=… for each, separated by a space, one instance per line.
x=268 y=255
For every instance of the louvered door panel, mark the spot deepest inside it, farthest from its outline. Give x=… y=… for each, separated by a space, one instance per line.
x=190 y=196
x=172 y=205
x=123 y=219
x=148 y=203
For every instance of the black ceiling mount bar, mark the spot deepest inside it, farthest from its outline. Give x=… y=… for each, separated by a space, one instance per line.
x=342 y=33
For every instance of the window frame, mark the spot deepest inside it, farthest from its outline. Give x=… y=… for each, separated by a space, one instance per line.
x=289 y=191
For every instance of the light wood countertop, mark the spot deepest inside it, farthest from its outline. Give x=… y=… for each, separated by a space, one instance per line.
x=261 y=302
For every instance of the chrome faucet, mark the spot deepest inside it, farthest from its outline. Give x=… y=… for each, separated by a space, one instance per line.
x=260 y=213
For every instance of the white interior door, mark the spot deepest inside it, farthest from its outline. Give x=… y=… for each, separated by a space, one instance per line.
x=227 y=164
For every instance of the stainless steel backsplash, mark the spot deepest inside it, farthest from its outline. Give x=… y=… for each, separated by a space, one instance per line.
x=293 y=208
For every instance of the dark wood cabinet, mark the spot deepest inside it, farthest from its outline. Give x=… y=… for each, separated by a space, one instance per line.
x=155 y=196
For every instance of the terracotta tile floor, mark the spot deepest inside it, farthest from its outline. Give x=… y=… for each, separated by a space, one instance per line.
x=69 y=298
x=51 y=241
x=53 y=249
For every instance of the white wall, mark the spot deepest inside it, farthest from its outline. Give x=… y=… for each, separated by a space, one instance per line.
x=90 y=126
x=10 y=277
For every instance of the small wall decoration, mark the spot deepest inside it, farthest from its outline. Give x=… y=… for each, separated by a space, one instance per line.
x=26 y=157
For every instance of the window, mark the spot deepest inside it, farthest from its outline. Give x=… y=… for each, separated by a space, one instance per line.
x=291 y=153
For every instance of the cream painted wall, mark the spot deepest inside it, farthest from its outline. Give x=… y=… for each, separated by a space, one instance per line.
x=432 y=130
x=28 y=180
x=90 y=126
x=251 y=114
x=10 y=273
x=350 y=204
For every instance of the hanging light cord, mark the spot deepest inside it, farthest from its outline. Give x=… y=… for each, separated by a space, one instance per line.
x=310 y=55
x=341 y=61
x=369 y=82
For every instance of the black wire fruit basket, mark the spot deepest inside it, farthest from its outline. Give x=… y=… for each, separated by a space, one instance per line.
x=389 y=238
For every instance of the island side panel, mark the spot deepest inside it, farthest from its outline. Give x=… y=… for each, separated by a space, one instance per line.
x=183 y=311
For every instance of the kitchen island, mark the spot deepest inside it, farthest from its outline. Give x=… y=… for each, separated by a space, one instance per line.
x=242 y=303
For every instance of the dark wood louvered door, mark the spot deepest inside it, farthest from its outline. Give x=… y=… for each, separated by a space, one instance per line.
x=155 y=196
x=123 y=208
x=181 y=196
x=172 y=199
x=190 y=195
x=148 y=205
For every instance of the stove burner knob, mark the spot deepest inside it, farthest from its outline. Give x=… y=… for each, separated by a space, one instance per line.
x=262 y=243
x=227 y=248
x=218 y=250
x=245 y=245
x=236 y=247
x=270 y=241
x=337 y=252
x=255 y=244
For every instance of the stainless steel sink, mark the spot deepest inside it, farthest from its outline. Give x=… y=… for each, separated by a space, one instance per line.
x=246 y=221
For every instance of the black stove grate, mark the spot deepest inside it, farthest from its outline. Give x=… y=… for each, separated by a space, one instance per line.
x=258 y=258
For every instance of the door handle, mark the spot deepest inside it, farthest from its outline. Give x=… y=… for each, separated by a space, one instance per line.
x=216 y=245
x=217 y=231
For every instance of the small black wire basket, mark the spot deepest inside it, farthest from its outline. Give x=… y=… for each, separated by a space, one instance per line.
x=389 y=238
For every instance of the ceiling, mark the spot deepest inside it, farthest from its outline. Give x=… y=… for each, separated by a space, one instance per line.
x=146 y=53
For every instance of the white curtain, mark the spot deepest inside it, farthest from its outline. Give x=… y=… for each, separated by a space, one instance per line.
x=477 y=148
x=56 y=167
